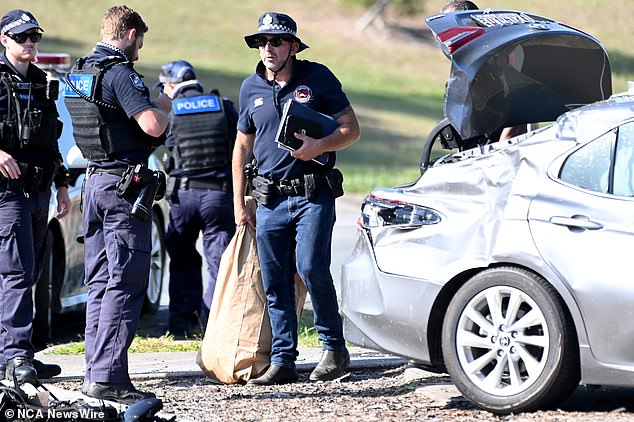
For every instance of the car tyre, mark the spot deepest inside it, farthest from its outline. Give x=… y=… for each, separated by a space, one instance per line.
x=157 y=265
x=509 y=343
x=43 y=296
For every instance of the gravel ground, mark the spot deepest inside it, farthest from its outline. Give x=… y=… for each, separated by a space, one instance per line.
x=394 y=394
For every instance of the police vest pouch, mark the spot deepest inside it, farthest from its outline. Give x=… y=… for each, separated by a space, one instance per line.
x=31 y=116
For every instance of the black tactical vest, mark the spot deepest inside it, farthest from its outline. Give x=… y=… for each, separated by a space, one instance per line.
x=201 y=132
x=31 y=121
x=98 y=139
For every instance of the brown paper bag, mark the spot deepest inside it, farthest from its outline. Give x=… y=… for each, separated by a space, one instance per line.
x=237 y=341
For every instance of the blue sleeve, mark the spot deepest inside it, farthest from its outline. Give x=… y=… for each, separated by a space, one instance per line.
x=334 y=99
x=245 y=123
x=232 y=117
x=130 y=91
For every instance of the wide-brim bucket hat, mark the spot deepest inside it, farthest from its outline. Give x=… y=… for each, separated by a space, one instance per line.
x=275 y=24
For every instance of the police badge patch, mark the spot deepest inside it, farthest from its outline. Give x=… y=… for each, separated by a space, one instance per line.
x=137 y=82
x=303 y=94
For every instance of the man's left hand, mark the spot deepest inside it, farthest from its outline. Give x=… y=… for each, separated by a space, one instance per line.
x=310 y=148
x=63 y=202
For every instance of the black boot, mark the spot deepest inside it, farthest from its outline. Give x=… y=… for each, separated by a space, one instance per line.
x=120 y=393
x=46 y=370
x=22 y=368
x=275 y=375
x=332 y=365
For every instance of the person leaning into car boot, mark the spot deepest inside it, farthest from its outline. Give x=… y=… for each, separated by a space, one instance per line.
x=200 y=138
x=29 y=162
x=298 y=217
x=116 y=126
x=501 y=134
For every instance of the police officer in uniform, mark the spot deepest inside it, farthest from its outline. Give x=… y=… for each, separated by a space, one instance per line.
x=296 y=210
x=116 y=125
x=200 y=138
x=29 y=162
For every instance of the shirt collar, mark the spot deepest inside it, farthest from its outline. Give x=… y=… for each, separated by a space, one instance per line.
x=113 y=49
x=260 y=70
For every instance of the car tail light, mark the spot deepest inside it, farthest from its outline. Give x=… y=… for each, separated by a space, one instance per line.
x=49 y=61
x=455 y=38
x=380 y=212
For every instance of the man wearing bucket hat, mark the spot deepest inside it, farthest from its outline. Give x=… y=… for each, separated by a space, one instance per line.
x=200 y=137
x=29 y=162
x=297 y=218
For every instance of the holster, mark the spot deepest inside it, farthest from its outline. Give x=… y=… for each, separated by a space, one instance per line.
x=334 y=180
x=263 y=190
x=134 y=178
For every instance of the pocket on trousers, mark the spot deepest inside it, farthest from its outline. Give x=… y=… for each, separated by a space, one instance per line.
x=10 y=261
x=133 y=241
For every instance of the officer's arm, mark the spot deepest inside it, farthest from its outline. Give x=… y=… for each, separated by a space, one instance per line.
x=153 y=120
x=242 y=154
x=347 y=133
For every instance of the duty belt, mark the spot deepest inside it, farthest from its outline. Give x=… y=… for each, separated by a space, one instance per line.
x=203 y=183
x=117 y=171
x=295 y=187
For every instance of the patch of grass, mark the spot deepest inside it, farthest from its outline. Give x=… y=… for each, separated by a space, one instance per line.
x=165 y=343
x=307 y=335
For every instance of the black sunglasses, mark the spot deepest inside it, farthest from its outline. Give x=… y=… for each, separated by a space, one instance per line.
x=274 y=41
x=21 y=38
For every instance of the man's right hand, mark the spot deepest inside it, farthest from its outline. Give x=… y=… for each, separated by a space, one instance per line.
x=8 y=166
x=242 y=216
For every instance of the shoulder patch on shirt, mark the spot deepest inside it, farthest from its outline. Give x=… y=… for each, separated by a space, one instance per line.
x=136 y=81
x=258 y=102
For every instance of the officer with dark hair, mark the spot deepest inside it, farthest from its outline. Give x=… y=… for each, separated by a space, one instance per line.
x=200 y=138
x=29 y=162
x=116 y=126
x=458 y=6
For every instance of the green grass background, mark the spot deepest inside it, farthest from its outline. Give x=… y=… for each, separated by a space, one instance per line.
x=394 y=82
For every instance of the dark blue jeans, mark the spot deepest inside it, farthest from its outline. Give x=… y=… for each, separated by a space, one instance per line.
x=23 y=223
x=295 y=227
x=193 y=211
x=117 y=260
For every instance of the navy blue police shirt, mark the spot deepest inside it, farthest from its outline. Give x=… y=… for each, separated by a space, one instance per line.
x=194 y=90
x=123 y=86
x=34 y=75
x=312 y=84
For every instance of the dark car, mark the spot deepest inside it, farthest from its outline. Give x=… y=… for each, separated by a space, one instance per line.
x=61 y=288
x=507 y=263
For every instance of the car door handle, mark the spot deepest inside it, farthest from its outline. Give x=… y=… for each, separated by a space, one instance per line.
x=576 y=221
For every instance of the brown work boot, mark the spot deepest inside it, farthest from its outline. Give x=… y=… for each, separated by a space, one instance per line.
x=332 y=365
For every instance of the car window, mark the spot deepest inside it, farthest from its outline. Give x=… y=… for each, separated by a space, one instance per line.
x=624 y=161
x=589 y=166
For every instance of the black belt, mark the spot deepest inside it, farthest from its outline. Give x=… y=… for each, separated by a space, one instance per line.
x=117 y=171
x=295 y=187
x=206 y=184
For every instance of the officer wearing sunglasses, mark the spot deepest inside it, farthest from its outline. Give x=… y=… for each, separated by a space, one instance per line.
x=294 y=222
x=29 y=162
